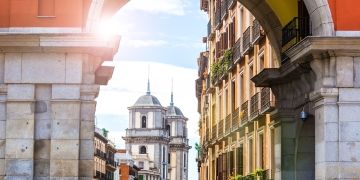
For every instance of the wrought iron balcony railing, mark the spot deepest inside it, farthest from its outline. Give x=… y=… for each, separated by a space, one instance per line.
x=256 y=30
x=228 y=124
x=224 y=7
x=236 y=51
x=297 y=29
x=244 y=112
x=221 y=129
x=231 y=3
x=214 y=132
x=267 y=104
x=218 y=18
x=235 y=119
x=247 y=39
x=254 y=106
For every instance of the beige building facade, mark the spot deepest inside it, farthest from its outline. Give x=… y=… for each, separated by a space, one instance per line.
x=237 y=133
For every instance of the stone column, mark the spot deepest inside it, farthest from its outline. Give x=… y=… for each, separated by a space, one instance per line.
x=3 y=91
x=19 y=151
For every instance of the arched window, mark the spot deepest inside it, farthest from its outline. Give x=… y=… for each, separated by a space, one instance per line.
x=168 y=129
x=142 y=150
x=143 y=122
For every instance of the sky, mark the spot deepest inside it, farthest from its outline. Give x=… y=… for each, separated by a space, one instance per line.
x=164 y=36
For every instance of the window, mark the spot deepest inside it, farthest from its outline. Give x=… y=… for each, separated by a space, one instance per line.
x=46 y=8
x=242 y=89
x=142 y=150
x=261 y=152
x=141 y=164
x=233 y=95
x=143 y=122
x=239 y=160
x=250 y=156
x=226 y=96
x=169 y=158
x=184 y=160
x=168 y=129
x=261 y=62
x=252 y=85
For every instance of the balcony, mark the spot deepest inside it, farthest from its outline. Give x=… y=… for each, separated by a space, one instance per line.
x=257 y=32
x=227 y=124
x=100 y=154
x=247 y=39
x=231 y=3
x=267 y=105
x=211 y=33
x=236 y=51
x=296 y=30
x=204 y=5
x=235 y=119
x=254 y=106
x=244 y=112
x=218 y=22
x=213 y=133
x=221 y=129
x=224 y=6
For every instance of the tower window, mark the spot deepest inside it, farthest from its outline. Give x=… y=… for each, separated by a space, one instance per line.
x=168 y=129
x=142 y=150
x=46 y=8
x=143 y=122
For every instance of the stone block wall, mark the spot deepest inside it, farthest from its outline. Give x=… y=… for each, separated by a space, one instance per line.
x=47 y=107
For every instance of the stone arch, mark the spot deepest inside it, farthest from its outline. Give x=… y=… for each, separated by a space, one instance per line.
x=320 y=16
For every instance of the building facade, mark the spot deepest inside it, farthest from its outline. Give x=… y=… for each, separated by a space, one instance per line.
x=238 y=135
x=104 y=156
x=157 y=139
x=50 y=75
x=127 y=170
x=100 y=143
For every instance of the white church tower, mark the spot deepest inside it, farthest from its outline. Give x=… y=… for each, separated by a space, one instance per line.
x=147 y=138
x=179 y=142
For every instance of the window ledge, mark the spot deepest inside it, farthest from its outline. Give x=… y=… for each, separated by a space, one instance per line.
x=46 y=16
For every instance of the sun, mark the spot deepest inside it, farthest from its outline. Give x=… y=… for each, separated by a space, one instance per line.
x=107 y=29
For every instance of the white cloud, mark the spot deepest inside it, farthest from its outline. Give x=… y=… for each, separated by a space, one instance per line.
x=137 y=43
x=129 y=82
x=171 y=7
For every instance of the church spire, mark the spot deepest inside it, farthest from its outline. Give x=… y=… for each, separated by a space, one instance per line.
x=148 y=84
x=172 y=93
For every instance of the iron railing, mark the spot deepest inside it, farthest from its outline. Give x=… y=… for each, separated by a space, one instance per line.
x=256 y=30
x=224 y=7
x=235 y=119
x=247 y=39
x=228 y=124
x=296 y=30
x=236 y=50
x=221 y=129
x=213 y=133
x=231 y=3
x=244 y=112
x=254 y=106
x=218 y=18
x=266 y=103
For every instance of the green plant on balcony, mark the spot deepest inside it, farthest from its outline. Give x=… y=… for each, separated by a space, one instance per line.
x=215 y=67
x=220 y=68
x=259 y=174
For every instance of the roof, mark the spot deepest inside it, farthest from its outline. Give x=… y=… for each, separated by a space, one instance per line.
x=173 y=111
x=147 y=100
